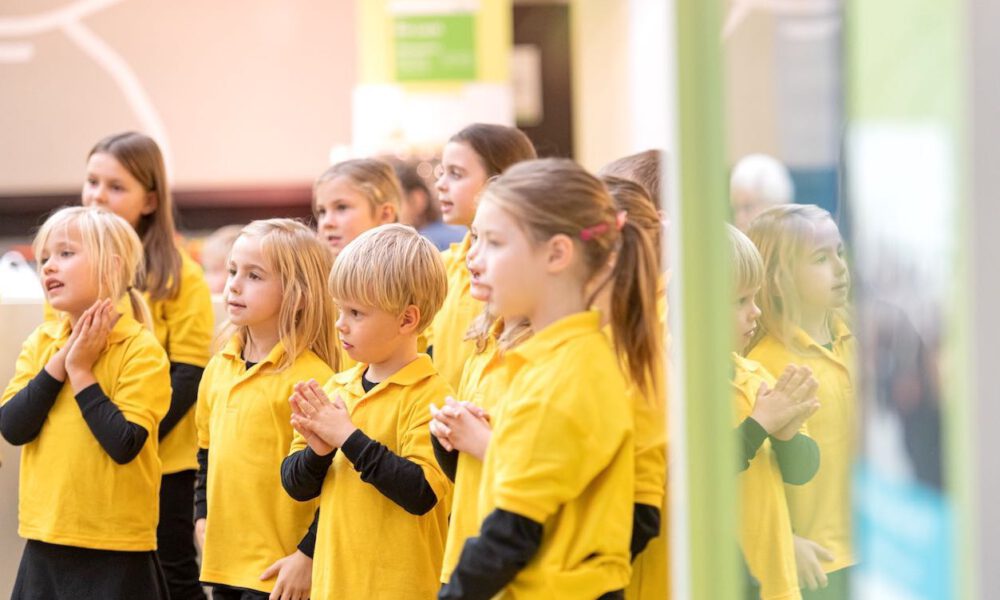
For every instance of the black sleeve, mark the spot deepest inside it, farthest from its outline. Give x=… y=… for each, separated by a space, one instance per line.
x=184 y=380
x=798 y=458
x=645 y=527
x=21 y=418
x=302 y=473
x=505 y=544
x=308 y=544
x=751 y=436
x=430 y=351
x=119 y=437
x=201 y=486
x=448 y=461
x=397 y=478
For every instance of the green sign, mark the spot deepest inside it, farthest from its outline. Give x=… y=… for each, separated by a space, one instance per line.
x=435 y=47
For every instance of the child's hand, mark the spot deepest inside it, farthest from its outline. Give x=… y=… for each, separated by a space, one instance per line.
x=782 y=410
x=199 y=532
x=807 y=556
x=328 y=420
x=56 y=366
x=300 y=425
x=439 y=429
x=468 y=431
x=294 y=574
x=93 y=328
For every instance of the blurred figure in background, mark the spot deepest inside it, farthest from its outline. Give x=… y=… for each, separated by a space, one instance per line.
x=420 y=208
x=757 y=183
x=215 y=255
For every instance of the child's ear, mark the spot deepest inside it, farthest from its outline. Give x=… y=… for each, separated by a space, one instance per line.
x=151 y=204
x=387 y=214
x=409 y=320
x=561 y=251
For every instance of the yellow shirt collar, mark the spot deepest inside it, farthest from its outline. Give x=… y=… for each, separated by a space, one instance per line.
x=543 y=342
x=233 y=350
x=416 y=371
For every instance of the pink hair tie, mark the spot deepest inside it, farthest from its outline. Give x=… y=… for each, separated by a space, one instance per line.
x=590 y=233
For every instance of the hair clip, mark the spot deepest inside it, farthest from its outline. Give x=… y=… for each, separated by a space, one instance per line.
x=620 y=219
x=590 y=233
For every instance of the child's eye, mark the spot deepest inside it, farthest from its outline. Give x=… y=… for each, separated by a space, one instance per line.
x=255 y=276
x=66 y=253
x=43 y=260
x=355 y=313
x=232 y=272
x=320 y=212
x=342 y=207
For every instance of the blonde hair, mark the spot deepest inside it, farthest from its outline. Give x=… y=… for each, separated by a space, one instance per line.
x=781 y=234
x=389 y=268
x=482 y=329
x=302 y=263
x=643 y=168
x=105 y=237
x=375 y=179
x=746 y=263
x=550 y=197
x=141 y=157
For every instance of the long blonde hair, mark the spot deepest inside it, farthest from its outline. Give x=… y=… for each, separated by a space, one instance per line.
x=302 y=263
x=141 y=157
x=373 y=178
x=114 y=252
x=550 y=197
x=782 y=235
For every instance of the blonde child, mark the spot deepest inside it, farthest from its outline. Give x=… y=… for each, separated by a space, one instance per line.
x=557 y=491
x=125 y=174
x=362 y=444
x=254 y=537
x=770 y=416
x=352 y=197
x=88 y=395
x=803 y=297
x=469 y=159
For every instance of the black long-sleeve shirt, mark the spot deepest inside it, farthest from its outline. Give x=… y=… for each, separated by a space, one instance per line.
x=446 y=459
x=22 y=417
x=184 y=380
x=798 y=458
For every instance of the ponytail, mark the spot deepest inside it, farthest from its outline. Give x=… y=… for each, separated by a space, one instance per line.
x=635 y=325
x=140 y=310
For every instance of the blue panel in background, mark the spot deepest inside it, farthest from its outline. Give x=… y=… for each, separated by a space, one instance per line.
x=816 y=186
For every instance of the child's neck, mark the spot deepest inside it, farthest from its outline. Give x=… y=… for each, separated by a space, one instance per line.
x=816 y=323
x=260 y=341
x=557 y=301
x=401 y=356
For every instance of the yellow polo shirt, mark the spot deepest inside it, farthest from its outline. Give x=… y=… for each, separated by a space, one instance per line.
x=821 y=509
x=765 y=528
x=562 y=455
x=367 y=546
x=484 y=381
x=243 y=420
x=447 y=331
x=70 y=491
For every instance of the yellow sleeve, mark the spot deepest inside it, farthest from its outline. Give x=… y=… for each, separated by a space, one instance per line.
x=142 y=391
x=298 y=443
x=548 y=458
x=27 y=366
x=650 y=450
x=415 y=442
x=189 y=318
x=203 y=410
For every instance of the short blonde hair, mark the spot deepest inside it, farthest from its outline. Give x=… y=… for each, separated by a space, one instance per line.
x=302 y=263
x=105 y=237
x=389 y=268
x=375 y=179
x=746 y=264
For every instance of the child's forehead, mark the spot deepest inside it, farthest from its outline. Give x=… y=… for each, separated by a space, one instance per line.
x=825 y=234
x=67 y=232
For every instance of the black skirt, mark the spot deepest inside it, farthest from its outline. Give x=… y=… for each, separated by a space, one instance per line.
x=54 y=572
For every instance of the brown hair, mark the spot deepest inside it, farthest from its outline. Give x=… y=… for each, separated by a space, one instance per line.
x=550 y=197
x=374 y=178
x=642 y=168
x=497 y=146
x=141 y=157
x=632 y=198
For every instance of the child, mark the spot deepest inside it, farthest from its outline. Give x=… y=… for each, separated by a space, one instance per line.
x=421 y=211
x=461 y=429
x=649 y=533
x=125 y=174
x=804 y=292
x=352 y=197
x=558 y=476
x=278 y=311
x=383 y=499
x=88 y=395
x=215 y=256
x=757 y=183
x=470 y=157
x=774 y=451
